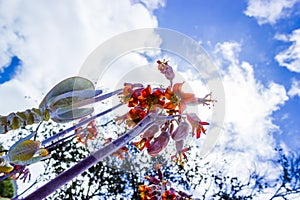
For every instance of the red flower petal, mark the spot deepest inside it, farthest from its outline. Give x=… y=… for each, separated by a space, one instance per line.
x=170 y=106
x=177 y=88
x=147 y=91
x=204 y=123
x=168 y=93
x=158 y=93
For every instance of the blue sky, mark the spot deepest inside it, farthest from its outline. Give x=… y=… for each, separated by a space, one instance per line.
x=255 y=44
x=213 y=22
x=220 y=21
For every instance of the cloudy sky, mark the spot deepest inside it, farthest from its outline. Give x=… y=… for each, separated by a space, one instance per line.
x=255 y=44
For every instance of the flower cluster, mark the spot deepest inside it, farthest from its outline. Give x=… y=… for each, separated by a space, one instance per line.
x=87 y=133
x=165 y=69
x=159 y=188
x=172 y=102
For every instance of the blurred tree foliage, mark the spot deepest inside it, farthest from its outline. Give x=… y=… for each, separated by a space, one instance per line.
x=7 y=188
x=114 y=178
x=288 y=183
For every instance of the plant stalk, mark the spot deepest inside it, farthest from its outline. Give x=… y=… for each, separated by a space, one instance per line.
x=91 y=160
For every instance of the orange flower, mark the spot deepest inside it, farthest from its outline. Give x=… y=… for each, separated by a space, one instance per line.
x=145 y=192
x=130 y=94
x=120 y=119
x=197 y=124
x=120 y=153
x=205 y=101
x=178 y=98
x=169 y=195
x=143 y=143
x=89 y=133
x=149 y=98
x=92 y=130
x=135 y=115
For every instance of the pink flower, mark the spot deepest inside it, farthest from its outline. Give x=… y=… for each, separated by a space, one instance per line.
x=151 y=131
x=197 y=124
x=179 y=145
x=181 y=131
x=180 y=152
x=153 y=180
x=158 y=144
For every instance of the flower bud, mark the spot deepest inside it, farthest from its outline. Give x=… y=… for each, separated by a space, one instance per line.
x=158 y=144
x=169 y=73
x=6 y=168
x=24 y=151
x=181 y=131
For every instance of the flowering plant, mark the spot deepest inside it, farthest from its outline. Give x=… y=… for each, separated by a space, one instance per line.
x=156 y=114
x=170 y=102
x=159 y=188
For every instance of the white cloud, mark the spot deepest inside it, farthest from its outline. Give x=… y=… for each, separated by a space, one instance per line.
x=295 y=89
x=290 y=58
x=151 y=4
x=247 y=141
x=53 y=39
x=269 y=11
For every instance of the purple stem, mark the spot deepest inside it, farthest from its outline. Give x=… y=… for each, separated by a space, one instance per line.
x=2 y=178
x=78 y=125
x=91 y=160
x=95 y=99
x=53 y=145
